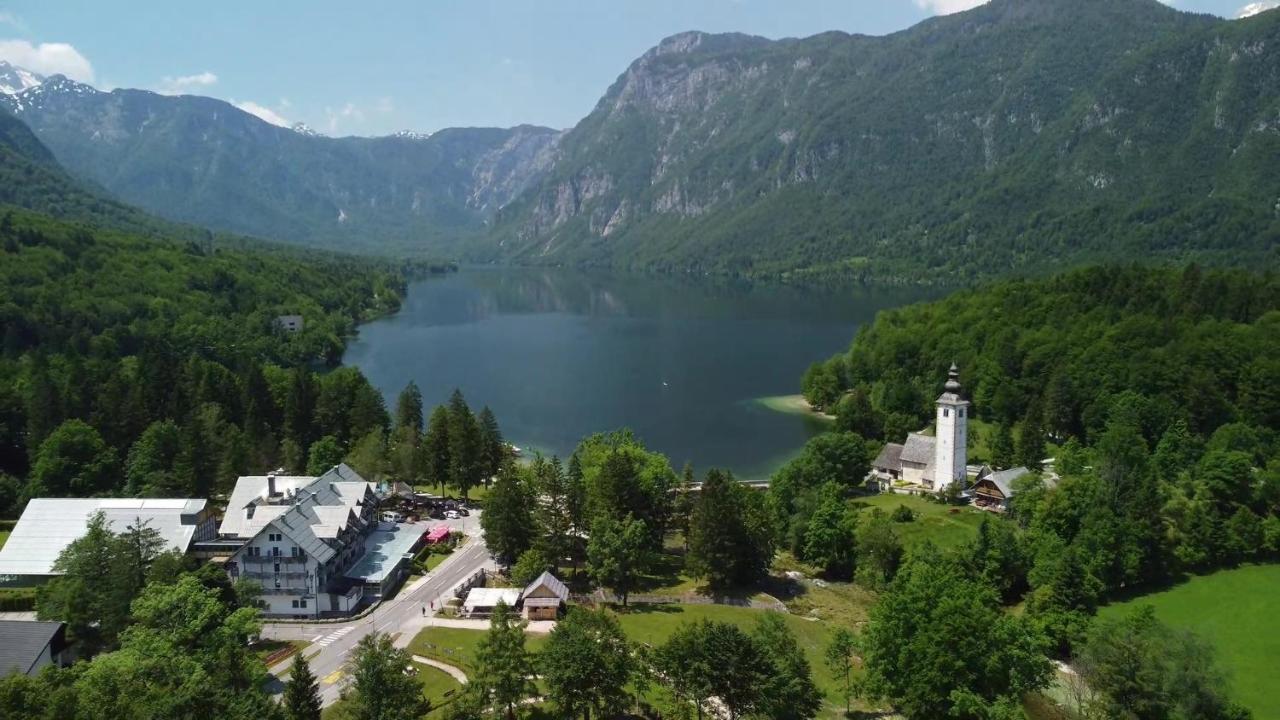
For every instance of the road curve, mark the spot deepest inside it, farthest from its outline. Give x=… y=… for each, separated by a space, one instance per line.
x=404 y=614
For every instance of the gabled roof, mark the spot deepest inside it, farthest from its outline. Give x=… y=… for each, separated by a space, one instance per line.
x=551 y=582
x=49 y=525
x=300 y=524
x=1004 y=479
x=22 y=642
x=890 y=458
x=918 y=449
x=250 y=509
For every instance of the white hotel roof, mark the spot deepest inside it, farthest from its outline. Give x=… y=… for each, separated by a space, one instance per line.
x=48 y=525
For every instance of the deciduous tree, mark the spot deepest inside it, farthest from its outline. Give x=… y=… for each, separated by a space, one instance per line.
x=587 y=664
x=378 y=686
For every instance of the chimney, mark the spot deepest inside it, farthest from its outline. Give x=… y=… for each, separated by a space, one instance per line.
x=271 y=484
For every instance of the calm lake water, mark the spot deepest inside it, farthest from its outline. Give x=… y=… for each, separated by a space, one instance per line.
x=561 y=354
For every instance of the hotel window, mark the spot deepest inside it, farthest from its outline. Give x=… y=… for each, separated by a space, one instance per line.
x=302 y=604
x=277 y=567
x=946 y=412
x=295 y=604
x=960 y=412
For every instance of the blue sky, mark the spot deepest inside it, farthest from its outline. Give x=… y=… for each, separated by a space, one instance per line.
x=372 y=68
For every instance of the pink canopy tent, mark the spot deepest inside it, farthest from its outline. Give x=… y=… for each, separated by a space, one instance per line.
x=438 y=533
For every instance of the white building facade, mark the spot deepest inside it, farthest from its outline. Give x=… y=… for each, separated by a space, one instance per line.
x=930 y=463
x=951 y=435
x=301 y=536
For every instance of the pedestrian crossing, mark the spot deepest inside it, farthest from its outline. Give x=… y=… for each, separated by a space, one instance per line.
x=336 y=635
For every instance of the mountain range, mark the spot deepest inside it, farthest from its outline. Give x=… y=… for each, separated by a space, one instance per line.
x=199 y=160
x=1013 y=137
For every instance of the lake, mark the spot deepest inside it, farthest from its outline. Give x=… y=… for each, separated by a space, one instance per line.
x=561 y=354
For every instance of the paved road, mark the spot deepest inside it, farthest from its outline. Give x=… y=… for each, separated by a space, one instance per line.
x=402 y=615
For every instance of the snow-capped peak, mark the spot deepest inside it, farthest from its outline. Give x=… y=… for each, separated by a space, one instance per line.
x=14 y=79
x=411 y=135
x=304 y=129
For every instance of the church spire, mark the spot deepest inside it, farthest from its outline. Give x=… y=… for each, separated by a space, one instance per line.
x=953 y=380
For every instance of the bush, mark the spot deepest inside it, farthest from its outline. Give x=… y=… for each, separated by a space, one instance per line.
x=903 y=514
x=18 y=600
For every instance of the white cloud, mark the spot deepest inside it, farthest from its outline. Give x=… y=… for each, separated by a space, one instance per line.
x=1256 y=8
x=347 y=113
x=263 y=112
x=48 y=59
x=185 y=83
x=946 y=7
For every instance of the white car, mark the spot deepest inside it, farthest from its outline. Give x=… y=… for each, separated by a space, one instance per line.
x=451 y=515
x=392 y=517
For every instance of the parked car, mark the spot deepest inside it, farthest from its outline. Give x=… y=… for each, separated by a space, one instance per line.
x=451 y=515
x=392 y=517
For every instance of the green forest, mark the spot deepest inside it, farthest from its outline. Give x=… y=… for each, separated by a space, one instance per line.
x=150 y=367
x=1156 y=391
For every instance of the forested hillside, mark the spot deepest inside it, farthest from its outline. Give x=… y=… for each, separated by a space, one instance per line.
x=204 y=161
x=31 y=177
x=1013 y=137
x=1160 y=388
x=1192 y=345
x=143 y=366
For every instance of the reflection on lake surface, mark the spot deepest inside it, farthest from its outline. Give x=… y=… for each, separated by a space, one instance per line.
x=561 y=354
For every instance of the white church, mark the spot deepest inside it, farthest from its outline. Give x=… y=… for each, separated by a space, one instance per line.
x=930 y=463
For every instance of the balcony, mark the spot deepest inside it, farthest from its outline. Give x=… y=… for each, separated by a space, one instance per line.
x=266 y=577
x=275 y=558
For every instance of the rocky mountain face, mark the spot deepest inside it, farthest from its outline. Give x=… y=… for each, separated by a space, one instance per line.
x=14 y=79
x=1017 y=135
x=203 y=161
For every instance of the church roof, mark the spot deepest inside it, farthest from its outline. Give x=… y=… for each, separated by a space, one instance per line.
x=918 y=449
x=890 y=458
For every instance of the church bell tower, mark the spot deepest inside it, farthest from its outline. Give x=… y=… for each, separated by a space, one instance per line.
x=951 y=453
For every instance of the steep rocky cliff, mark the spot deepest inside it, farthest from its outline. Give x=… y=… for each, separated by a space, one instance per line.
x=1019 y=134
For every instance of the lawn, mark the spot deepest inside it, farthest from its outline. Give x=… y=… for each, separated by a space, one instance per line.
x=457 y=646
x=277 y=651
x=1239 y=612
x=4 y=535
x=946 y=525
x=652 y=625
x=438 y=687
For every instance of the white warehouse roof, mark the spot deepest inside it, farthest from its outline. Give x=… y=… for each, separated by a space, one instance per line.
x=48 y=525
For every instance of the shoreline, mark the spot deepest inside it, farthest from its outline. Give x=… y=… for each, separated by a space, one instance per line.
x=794 y=405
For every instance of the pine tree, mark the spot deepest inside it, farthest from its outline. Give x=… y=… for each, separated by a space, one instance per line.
x=299 y=408
x=409 y=409
x=493 y=447
x=302 y=692
x=1030 y=446
x=507 y=521
x=436 y=448
x=1002 y=450
x=464 y=445
x=503 y=666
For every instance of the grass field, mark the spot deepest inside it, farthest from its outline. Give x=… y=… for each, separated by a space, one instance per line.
x=437 y=686
x=1239 y=612
x=4 y=535
x=651 y=625
x=947 y=526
